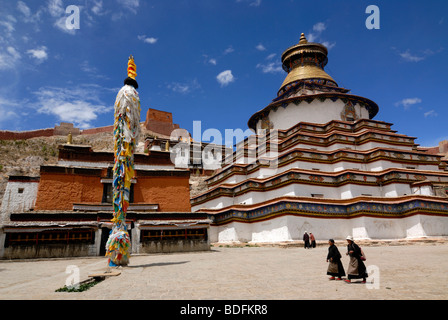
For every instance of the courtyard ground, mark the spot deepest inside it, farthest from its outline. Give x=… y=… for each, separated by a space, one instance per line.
x=397 y=272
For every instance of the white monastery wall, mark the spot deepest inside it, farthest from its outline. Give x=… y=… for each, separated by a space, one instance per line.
x=19 y=197
x=347 y=191
x=314 y=112
x=291 y=228
x=376 y=166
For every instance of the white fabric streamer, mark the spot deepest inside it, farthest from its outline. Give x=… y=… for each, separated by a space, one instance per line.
x=128 y=105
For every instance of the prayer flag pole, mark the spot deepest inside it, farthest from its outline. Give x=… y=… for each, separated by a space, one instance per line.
x=126 y=133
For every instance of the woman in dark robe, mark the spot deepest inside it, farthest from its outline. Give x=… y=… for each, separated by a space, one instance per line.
x=306 y=240
x=356 y=268
x=335 y=267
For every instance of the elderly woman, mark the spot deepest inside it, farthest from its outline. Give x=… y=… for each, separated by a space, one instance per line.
x=335 y=267
x=356 y=268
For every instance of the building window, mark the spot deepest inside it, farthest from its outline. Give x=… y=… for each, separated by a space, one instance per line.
x=50 y=237
x=20 y=190
x=108 y=194
x=173 y=235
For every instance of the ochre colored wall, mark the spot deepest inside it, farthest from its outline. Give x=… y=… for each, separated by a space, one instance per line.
x=171 y=193
x=60 y=191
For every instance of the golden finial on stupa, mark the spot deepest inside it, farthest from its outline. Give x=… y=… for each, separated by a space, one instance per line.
x=303 y=39
x=69 y=138
x=132 y=68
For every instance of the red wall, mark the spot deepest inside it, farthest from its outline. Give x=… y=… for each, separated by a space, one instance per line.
x=13 y=135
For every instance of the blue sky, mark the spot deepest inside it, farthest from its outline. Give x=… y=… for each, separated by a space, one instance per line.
x=217 y=61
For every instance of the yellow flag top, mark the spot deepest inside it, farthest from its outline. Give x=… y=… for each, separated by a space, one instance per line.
x=132 y=68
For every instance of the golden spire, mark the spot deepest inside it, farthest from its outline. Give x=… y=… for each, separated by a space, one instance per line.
x=303 y=39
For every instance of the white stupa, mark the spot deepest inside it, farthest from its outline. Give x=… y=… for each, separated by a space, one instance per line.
x=325 y=166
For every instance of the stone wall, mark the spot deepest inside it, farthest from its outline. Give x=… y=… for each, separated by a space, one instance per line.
x=174 y=246
x=98 y=130
x=24 y=135
x=49 y=251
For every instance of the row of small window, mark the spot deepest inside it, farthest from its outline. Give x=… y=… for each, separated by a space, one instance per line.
x=50 y=237
x=170 y=235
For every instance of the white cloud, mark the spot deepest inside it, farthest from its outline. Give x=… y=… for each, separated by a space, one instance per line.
x=55 y=8
x=271 y=56
x=9 y=58
x=91 y=71
x=131 y=5
x=316 y=35
x=225 y=78
x=260 y=47
x=273 y=67
x=40 y=54
x=407 y=56
x=146 y=39
x=6 y=109
x=431 y=113
x=328 y=44
x=24 y=9
x=408 y=102
x=319 y=27
x=8 y=25
x=209 y=60
x=97 y=7
x=229 y=50
x=253 y=3
x=26 y=14
x=184 y=87
x=79 y=105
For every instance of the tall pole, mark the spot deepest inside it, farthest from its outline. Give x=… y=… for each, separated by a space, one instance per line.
x=126 y=133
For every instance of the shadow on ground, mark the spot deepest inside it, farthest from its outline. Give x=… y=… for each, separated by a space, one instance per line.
x=160 y=264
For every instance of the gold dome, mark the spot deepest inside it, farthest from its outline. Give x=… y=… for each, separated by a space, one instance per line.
x=305 y=61
x=306 y=72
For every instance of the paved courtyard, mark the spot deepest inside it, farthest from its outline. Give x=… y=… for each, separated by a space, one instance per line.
x=403 y=272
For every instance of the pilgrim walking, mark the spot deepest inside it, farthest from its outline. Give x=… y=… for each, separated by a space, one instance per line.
x=356 y=268
x=335 y=267
x=306 y=240
x=312 y=240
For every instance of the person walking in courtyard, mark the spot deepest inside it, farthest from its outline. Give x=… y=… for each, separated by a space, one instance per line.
x=306 y=240
x=335 y=267
x=356 y=268
x=312 y=240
